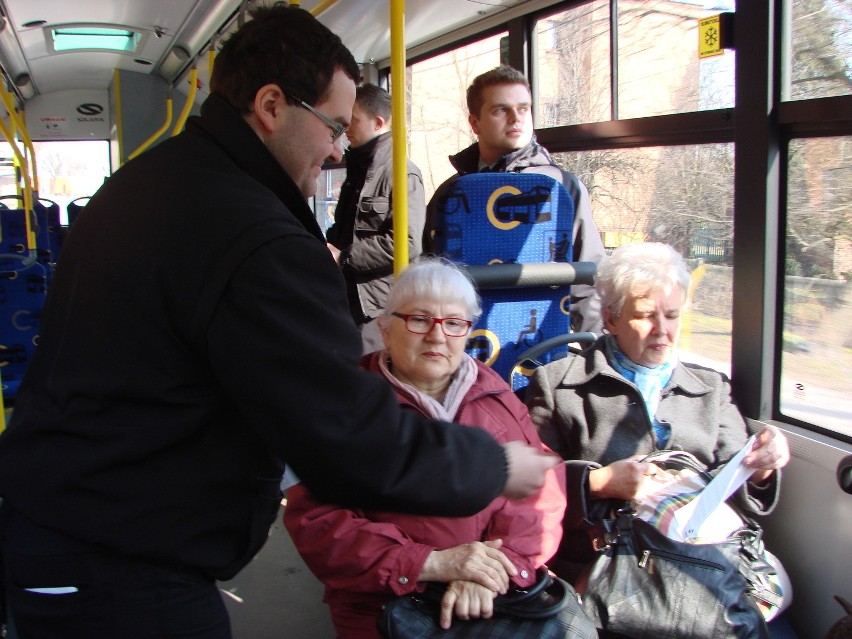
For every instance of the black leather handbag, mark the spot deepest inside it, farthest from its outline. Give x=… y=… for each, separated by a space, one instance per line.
x=644 y=584
x=547 y=610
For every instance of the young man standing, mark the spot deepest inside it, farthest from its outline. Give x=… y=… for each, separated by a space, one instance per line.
x=500 y=113
x=361 y=239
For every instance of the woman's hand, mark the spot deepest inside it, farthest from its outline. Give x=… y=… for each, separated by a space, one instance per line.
x=467 y=600
x=620 y=480
x=481 y=562
x=769 y=453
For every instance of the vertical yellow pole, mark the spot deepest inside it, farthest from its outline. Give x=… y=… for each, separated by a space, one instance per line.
x=398 y=123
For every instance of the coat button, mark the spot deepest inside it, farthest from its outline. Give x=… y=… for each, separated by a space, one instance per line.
x=524 y=574
x=403 y=580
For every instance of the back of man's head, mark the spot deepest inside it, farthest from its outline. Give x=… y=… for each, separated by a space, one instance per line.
x=374 y=100
x=503 y=74
x=280 y=45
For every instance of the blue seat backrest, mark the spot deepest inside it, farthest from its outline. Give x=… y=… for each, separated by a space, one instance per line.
x=55 y=230
x=75 y=207
x=13 y=233
x=488 y=218
x=24 y=278
x=22 y=295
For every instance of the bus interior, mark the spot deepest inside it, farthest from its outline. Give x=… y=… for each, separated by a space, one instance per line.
x=733 y=143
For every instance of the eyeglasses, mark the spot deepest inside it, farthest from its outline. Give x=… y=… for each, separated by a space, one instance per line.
x=337 y=129
x=422 y=324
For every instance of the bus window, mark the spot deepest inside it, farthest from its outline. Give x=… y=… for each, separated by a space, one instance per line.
x=667 y=194
x=329 y=182
x=820 y=50
x=817 y=328
x=66 y=170
x=572 y=53
x=658 y=70
x=438 y=124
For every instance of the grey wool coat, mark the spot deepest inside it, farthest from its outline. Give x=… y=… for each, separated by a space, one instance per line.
x=592 y=416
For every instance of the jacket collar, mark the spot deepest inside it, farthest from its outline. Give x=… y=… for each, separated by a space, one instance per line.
x=592 y=363
x=224 y=125
x=533 y=154
x=364 y=154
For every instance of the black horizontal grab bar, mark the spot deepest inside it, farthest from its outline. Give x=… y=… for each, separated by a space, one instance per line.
x=529 y=275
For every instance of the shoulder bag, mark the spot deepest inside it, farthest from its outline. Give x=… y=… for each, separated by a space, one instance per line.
x=644 y=584
x=547 y=610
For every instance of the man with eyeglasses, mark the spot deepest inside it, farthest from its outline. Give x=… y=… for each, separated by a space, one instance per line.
x=196 y=338
x=361 y=238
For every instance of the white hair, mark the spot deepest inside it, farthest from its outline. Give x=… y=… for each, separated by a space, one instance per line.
x=639 y=269
x=434 y=279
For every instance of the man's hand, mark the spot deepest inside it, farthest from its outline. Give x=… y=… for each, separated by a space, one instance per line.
x=527 y=468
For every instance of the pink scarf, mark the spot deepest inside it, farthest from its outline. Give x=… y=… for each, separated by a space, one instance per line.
x=461 y=383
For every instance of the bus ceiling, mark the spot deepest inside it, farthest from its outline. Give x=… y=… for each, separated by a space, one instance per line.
x=56 y=45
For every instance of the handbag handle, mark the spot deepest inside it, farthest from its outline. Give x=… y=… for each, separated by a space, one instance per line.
x=546 y=598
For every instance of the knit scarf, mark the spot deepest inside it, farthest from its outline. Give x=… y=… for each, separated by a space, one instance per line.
x=649 y=381
x=461 y=383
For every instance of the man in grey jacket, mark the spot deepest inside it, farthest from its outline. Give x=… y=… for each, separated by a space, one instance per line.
x=500 y=113
x=361 y=238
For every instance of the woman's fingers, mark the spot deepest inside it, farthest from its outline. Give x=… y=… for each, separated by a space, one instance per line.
x=770 y=451
x=466 y=600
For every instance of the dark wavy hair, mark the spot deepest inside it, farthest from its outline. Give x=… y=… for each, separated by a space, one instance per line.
x=504 y=74
x=280 y=45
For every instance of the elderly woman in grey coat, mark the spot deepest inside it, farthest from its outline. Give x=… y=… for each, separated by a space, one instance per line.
x=629 y=395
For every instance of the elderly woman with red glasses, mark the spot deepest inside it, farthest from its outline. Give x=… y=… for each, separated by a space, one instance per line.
x=365 y=558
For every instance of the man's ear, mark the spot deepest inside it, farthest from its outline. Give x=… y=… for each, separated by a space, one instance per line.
x=269 y=102
x=474 y=123
x=379 y=123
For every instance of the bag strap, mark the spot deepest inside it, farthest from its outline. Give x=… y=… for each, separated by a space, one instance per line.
x=549 y=602
x=678 y=460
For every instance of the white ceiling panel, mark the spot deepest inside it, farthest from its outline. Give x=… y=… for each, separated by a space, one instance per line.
x=364 y=26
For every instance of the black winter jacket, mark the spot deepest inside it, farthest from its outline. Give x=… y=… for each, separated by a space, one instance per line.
x=195 y=338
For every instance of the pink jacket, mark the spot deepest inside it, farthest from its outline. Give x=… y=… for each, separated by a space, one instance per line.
x=366 y=558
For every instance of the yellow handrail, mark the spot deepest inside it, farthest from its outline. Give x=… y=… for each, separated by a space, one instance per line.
x=28 y=186
x=190 y=100
x=398 y=124
x=157 y=133
x=322 y=6
x=9 y=102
